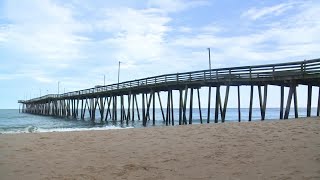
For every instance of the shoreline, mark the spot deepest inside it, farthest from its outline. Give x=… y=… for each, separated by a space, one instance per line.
x=35 y=129
x=273 y=149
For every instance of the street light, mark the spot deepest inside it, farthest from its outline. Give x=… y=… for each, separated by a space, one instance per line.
x=58 y=86
x=209 y=59
x=119 y=74
x=104 y=80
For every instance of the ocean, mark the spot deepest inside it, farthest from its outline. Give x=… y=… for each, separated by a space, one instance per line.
x=11 y=121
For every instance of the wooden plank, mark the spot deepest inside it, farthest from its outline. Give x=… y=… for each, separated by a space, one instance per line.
x=239 y=108
x=251 y=101
x=309 y=100
x=199 y=104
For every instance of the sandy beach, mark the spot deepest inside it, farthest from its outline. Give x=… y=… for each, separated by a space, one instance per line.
x=287 y=149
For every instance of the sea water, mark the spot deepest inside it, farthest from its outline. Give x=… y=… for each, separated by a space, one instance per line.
x=11 y=121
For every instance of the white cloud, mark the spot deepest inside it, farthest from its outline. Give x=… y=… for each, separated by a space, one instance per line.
x=136 y=34
x=291 y=38
x=276 y=10
x=176 y=5
x=44 y=29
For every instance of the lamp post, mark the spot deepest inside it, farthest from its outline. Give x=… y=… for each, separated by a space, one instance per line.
x=119 y=74
x=58 y=87
x=104 y=80
x=209 y=59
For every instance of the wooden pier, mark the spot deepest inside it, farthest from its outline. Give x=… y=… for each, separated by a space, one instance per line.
x=110 y=100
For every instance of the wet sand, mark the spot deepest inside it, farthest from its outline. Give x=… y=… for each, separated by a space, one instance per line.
x=286 y=149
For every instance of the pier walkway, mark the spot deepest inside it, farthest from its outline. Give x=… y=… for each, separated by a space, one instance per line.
x=110 y=98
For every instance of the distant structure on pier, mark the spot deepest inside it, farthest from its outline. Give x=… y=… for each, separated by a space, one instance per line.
x=105 y=98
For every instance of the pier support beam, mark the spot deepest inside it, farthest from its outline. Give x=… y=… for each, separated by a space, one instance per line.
x=292 y=92
x=281 y=101
x=185 y=105
x=180 y=106
x=191 y=106
x=144 y=118
x=199 y=104
x=239 y=108
x=309 y=100
x=161 y=108
x=209 y=103
x=318 y=108
x=263 y=101
x=225 y=103
x=251 y=102
x=218 y=104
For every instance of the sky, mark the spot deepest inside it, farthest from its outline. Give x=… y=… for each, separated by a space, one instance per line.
x=78 y=42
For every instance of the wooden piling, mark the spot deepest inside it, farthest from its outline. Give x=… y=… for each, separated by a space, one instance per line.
x=251 y=101
x=133 y=102
x=318 y=109
x=185 y=105
x=144 y=119
x=239 y=108
x=216 y=114
x=223 y=115
x=153 y=108
x=209 y=103
x=180 y=106
x=295 y=100
x=168 y=109
x=199 y=104
x=161 y=106
x=172 y=111
x=281 y=101
x=191 y=107
x=309 y=100
x=137 y=107
x=129 y=106
x=287 y=111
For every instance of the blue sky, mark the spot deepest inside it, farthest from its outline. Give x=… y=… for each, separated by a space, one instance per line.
x=77 y=42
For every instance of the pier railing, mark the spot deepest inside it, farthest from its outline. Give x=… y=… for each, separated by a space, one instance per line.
x=301 y=69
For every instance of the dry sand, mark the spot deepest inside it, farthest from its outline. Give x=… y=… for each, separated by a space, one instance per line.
x=288 y=149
